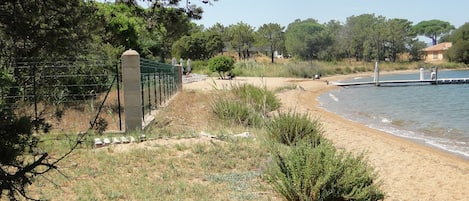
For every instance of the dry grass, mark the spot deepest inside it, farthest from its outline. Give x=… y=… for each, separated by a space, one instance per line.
x=178 y=165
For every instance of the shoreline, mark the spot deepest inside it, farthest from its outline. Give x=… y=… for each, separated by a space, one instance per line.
x=409 y=170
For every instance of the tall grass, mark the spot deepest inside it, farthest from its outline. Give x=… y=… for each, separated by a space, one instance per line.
x=245 y=105
x=261 y=99
x=236 y=112
x=262 y=67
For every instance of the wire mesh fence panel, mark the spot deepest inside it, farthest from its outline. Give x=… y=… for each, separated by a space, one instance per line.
x=68 y=93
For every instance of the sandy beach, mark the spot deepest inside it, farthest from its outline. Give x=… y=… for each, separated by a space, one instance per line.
x=408 y=170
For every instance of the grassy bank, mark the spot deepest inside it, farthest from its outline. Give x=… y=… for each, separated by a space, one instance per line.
x=176 y=163
x=192 y=154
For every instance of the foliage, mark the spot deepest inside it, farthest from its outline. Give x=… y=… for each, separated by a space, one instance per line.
x=170 y=24
x=364 y=36
x=245 y=105
x=415 y=50
x=290 y=128
x=20 y=159
x=221 y=65
x=306 y=38
x=304 y=70
x=122 y=25
x=236 y=112
x=321 y=173
x=16 y=139
x=55 y=22
x=398 y=36
x=241 y=38
x=42 y=31
x=334 y=50
x=459 y=52
x=271 y=35
x=261 y=99
x=198 y=46
x=433 y=29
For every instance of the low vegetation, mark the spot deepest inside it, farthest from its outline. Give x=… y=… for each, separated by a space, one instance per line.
x=309 y=167
x=290 y=128
x=307 y=172
x=179 y=162
x=261 y=67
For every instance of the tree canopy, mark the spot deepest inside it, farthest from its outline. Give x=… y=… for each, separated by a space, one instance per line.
x=272 y=36
x=459 y=52
x=433 y=29
x=305 y=38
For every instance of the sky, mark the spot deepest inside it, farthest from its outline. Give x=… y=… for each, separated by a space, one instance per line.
x=259 y=12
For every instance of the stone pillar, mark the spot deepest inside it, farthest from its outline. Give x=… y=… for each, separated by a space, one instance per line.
x=132 y=90
x=179 y=77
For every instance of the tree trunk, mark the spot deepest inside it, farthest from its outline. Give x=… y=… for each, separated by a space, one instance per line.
x=272 y=53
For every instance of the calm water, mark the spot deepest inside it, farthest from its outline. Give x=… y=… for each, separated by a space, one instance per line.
x=436 y=115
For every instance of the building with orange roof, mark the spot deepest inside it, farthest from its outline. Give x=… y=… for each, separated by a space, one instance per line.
x=436 y=53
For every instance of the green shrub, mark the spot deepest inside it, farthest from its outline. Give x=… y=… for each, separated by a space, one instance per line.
x=261 y=99
x=320 y=173
x=236 y=112
x=291 y=127
x=221 y=65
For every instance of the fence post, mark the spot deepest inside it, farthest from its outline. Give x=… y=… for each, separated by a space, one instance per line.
x=132 y=94
x=179 y=77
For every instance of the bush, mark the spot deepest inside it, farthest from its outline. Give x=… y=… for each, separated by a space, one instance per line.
x=221 y=65
x=291 y=127
x=236 y=112
x=247 y=105
x=320 y=173
x=261 y=99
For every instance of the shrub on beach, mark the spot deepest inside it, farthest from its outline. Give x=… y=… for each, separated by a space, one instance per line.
x=236 y=112
x=305 y=172
x=309 y=167
x=261 y=99
x=290 y=127
x=245 y=105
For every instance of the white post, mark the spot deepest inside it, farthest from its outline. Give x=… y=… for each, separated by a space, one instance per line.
x=376 y=77
x=132 y=90
x=422 y=73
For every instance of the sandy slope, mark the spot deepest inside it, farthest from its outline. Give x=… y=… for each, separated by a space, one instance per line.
x=409 y=171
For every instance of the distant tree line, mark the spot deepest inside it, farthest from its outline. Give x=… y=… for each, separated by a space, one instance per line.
x=366 y=37
x=163 y=30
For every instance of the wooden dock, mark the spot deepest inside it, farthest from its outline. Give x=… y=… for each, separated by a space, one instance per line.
x=405 y=82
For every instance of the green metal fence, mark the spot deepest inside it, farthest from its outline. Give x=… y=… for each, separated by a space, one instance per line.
x=159 y=82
